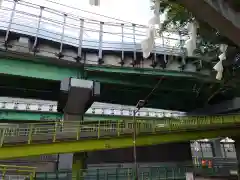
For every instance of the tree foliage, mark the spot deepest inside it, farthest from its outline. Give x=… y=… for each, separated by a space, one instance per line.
x=208 y=38
x=178 y=16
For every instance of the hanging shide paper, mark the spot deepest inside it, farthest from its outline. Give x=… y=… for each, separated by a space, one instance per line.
x=148 y=43
x=219 y=66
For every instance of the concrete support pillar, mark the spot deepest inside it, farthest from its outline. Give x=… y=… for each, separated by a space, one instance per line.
x=75 y=117
x=216 y=147
x=78 y=166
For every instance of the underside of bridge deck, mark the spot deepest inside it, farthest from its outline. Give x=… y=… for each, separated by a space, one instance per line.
x=171 y=92
x=219 y=15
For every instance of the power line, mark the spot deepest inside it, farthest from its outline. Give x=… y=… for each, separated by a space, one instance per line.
x=101 y=15
x=141 y=104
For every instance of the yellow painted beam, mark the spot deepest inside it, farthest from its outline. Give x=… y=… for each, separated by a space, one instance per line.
x=78 y=166
x=15 y=151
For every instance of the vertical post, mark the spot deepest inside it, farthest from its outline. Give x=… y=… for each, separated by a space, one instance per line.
x=122 y=45
x=216 y=147
x=154 y=126
x=134 y=143
x=182 y=48
x=237 y=147
x=38 y=28
x=98 y=131
x=57 y=163
x=79 y=130
x=100 y=56
x=3 y=136
x=118 y=128
x=128 y=174
x=201 y=148
x=80 y=39
x=4 y=169
x=55 y=131
x=78 y=166
x=154 y=61
x=33 y=175
x=163 y=42
x=30 y=132
x=134 y=45
x=10 y=22
x=60 y=55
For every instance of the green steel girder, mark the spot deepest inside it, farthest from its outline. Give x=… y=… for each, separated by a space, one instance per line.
x=54 y=69
x=151 y=72
x=36 y=70
x=25 y=116
x=117 y=83
x=139 y=81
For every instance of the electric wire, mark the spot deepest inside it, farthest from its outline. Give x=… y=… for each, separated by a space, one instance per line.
x=137 y=108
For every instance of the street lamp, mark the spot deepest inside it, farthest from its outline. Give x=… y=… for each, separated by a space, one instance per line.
x=139 y=105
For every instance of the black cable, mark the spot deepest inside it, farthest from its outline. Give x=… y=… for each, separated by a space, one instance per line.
x=138 y=107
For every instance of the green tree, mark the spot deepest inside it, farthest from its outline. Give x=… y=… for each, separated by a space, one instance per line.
x=208 y=38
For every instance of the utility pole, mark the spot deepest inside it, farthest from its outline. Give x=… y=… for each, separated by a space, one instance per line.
x=139 y=105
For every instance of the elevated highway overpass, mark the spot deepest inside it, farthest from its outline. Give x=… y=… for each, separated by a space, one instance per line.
x=38 y=52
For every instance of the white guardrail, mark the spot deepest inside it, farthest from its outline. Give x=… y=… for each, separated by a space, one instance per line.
x=43 y=22
x=97 y=108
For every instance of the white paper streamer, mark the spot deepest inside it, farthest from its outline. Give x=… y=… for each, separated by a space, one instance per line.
x=148 y=43
x=190 y=44
x=219 y=67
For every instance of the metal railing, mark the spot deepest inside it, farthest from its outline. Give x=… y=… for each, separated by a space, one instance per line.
x=151 y=173
x=113 y=111
x=75 y=130
x=169 y=172
x=119 y=173
x=10 y=172
x=43 y=22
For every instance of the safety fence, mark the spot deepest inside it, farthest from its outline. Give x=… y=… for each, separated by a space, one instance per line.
x=74 y=130
x=150 y=173
x=107 y=173
x=10 y=172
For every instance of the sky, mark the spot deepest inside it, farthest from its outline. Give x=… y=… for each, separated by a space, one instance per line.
x=137 y=11
x=134 y=11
